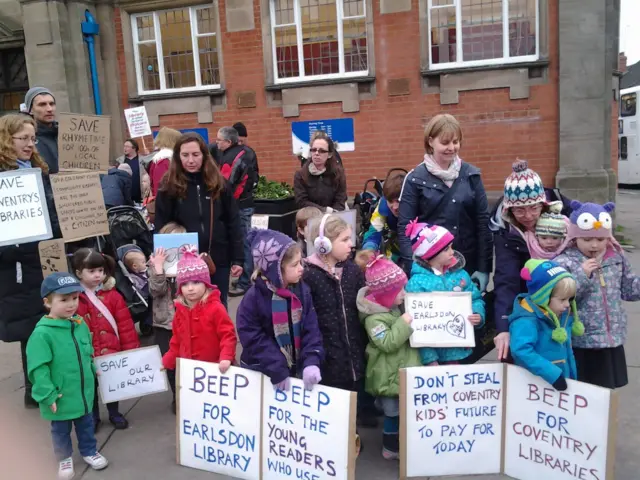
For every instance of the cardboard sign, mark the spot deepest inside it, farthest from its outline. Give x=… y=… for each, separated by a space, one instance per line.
x=172 y=244
x=130 y=374
x=440 y=319
x=558 y=435
x=219 y=418
x=80 y=205
x=53 y=257
x=83 y=141
x=308 y=434
x=260 y=222
x=451 y=420
x=137 y=121
x=349 y=216
x=24 y=216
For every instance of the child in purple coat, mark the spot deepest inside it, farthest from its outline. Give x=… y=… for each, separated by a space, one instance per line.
x=276 y=321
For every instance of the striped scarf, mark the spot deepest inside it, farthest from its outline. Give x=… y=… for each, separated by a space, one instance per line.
x=289 y=343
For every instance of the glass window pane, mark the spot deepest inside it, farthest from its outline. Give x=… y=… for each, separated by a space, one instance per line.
x=177 y=49
x=209 y=67
x=149 y=67
x=320 y=37
x=284 y=12
x=287 y=52
x=437 y=3
x=353 y=8
x=145 y=28
x=522 y=27
x=206 y=20
x=628 y=105
x=481 y=29
x=443 y=35
x=355 y=45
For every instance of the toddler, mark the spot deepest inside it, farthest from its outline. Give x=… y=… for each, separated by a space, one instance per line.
x=550 y=236
x=136 y=263
x=302 y=219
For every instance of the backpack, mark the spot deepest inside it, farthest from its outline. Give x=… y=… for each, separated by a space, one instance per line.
x=228 y=170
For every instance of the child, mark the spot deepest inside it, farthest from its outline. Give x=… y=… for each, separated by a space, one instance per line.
x=276 y=321
x=302 y=219
x=389 y=331
x=543 y=321
x=438 y=268
x=605 y=278
x=62 y=372
x=106 y=314
x=136 y=262
x=202 y=329
x=549 y=239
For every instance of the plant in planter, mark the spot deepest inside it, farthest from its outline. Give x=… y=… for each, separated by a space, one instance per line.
x=271 y=190
x=276 y=200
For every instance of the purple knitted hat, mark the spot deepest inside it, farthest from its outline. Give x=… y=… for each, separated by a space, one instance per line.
x=267 y=248
x=589 y=220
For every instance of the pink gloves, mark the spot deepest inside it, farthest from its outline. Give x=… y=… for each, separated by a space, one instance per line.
x=311 y=376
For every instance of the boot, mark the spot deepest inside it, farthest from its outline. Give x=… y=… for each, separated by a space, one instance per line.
x=390 y=446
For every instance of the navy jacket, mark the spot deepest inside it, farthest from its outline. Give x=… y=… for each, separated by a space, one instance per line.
x=116 y=188
x=47 y=147
x=466 y=216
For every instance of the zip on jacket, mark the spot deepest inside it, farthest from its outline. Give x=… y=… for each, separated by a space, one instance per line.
x=75 y=343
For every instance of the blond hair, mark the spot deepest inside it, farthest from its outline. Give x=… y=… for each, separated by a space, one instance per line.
x=10 y=125
x=565 y=288
x=166 y=138
x=173 y=227
x=442 y=126
x=333 y=228
x=305 y=214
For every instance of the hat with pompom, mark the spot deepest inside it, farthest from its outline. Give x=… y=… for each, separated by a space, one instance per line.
x=427 y=241
x=542 y=276
x=191 y=268
x=384 y=280
x=523 y=187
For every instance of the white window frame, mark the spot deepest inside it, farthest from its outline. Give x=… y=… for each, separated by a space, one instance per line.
x=505 y=59
x=193 y=19
x=340 y=19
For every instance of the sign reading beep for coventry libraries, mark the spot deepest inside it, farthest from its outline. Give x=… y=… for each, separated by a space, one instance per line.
x=340 y=130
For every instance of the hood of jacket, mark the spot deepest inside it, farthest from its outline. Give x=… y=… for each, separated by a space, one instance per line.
x=116 y=172
x=418 y=269
x=162 y=154
x=59 y=322
x=524 y=307
x=366 y=307
x=50 y=131
x=214 y=296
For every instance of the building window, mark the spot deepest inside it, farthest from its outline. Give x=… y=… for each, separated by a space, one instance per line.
x=319 y=39
x=468 y=33
x=176 y=50
x=14 y=82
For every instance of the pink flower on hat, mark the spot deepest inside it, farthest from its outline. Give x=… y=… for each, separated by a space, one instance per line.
x=191 y=268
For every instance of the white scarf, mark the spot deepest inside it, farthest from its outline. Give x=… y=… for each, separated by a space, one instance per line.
x=93 y=298
x=449 y=175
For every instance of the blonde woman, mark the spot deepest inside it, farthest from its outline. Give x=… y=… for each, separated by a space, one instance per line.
x=159 y=165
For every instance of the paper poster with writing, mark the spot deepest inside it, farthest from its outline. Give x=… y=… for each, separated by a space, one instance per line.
x=137 y=122
x=451 y=420
x=219 y=418
x=556 y=435
x=24 y=216
x=83 y=141
x=440 y=319
x=308 y=434
x=53 y=257
x=349 y=216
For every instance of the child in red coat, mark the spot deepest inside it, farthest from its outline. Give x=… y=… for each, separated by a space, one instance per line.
x=202 y=329
x=107 y=315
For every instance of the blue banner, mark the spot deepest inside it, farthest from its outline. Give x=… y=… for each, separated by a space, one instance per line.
x=340 y=130
x=203 y=132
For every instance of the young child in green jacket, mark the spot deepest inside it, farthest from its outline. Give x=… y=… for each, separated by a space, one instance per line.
x=60 y=366
x=388 y=350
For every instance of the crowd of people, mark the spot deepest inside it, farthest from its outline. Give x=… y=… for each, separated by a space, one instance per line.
x=334 y=317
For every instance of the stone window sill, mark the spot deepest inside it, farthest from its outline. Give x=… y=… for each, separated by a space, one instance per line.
x=171 y=95
x=319 y=83
x=507 y=66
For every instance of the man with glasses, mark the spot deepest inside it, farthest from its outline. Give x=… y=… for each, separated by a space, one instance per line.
x=40 y=103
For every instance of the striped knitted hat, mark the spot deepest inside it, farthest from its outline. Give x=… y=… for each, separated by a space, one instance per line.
x=191 y=268
x=552 y=225
x=523 y=187
x=384 y=281
x=427 y=241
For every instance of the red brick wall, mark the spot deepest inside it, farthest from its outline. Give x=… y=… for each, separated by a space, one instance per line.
x=389 y=130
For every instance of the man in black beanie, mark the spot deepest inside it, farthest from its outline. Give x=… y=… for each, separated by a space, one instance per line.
x=40 y=103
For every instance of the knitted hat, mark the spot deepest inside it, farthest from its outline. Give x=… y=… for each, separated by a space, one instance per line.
x=191 y=268
x=32 y=94
x=427 y=241
x=591 y=220
x=241 y=129
x=523 y=187
x=384 y=281
x=542 y=276
x=267 y=248
x=552 y=225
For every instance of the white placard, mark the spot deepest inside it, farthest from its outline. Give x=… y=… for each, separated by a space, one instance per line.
x=130 y=374
x=349 y=216
x=555 y=435
x=260 y=221
x=452 y=420
x=24 y=216
x=137 y=121
x=440 y=319
x=308 y=434
x=219 y=419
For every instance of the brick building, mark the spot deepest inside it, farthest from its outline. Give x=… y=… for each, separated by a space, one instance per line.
x=541 y=85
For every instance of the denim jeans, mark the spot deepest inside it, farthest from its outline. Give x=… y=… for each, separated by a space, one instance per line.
x=61 y=436
x=247 y=268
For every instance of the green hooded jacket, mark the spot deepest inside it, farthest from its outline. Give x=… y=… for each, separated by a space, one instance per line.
x=388 y=350
x=60 y=366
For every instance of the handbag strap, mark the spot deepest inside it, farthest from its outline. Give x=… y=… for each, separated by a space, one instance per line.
x=210 y=225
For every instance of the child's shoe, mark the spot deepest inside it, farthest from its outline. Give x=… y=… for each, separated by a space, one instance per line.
x=389 y=455
x=390 y=446
x=96 y=461
x=118 y=421
x=65 y=469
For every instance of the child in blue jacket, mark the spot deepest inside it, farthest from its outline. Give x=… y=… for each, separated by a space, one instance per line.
x=543 y=322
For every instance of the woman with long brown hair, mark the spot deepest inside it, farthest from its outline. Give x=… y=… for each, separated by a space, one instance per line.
x=190 y=189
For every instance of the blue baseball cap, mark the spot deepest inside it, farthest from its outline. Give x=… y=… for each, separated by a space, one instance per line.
x=61 y=283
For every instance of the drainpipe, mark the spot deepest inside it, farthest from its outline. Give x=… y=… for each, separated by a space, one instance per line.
x=89 y=30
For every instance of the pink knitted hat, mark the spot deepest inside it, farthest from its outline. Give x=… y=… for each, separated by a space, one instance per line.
x=384 y=281
x=191 y=268
x=427 y=241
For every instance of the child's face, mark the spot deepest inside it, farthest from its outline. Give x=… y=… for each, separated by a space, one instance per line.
x=193 y=291
x=91 y=277
x=137 y=262
x=292 y=271
x=341 y=246
x=592 y=247
x=62 y=306
x=559 y=305
x=443 y=259
x=394 y=206
x=548 y=243
x=400 y=297
x=301 y=231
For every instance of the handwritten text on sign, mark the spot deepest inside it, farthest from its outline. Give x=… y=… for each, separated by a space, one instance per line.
x=137 y=121
x=83 y=141
x=556 y=435
x=305 y=433
x=440 y=319
x=453 y=419
x=219 y=423
x=24 y=216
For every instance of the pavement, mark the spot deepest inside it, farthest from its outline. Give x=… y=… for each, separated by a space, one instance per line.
x=146 y=451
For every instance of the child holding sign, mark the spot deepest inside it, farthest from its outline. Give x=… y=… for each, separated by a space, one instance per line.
x=277 y=323
x=438 y=268
x=389 y=331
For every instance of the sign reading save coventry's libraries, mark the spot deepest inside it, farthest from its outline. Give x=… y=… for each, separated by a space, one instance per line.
x=339 y=129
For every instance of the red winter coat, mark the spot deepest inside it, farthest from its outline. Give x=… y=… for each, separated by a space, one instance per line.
x=158 y=166
x=204 y=332
x=105 y=340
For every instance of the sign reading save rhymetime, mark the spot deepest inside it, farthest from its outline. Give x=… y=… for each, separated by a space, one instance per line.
x=83 y=141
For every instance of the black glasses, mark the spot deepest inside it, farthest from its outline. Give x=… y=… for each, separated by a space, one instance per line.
x=318 y=150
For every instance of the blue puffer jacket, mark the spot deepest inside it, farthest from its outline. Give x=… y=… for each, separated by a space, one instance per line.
x=532 y=346
x=454 y=280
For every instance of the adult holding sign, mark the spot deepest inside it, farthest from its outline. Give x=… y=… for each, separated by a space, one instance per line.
x=20 y=272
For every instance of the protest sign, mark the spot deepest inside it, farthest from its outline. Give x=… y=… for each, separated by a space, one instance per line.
x=308 y=434
x=24 y=216
x=348 y=216
x=53 y=257
x=137 y=121
x=451 y=420
x=219 y=419
x=130 y=374
x=260 y=222
x=80 y=205
x=558 y=435
x=440 y=319
x=173 y=244
x=83 y=141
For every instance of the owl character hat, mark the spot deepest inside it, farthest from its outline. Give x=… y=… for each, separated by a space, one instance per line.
x=590 y=220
